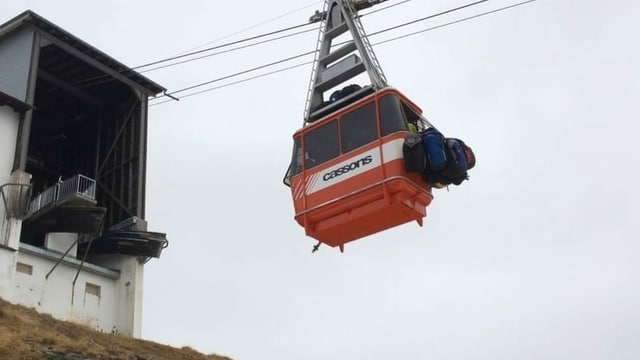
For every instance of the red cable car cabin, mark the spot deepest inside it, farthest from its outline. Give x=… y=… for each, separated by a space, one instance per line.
x=352 y=182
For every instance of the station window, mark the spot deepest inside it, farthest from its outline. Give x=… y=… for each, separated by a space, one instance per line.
x=358 y=127
x=321 y=144
x=391 y=117
x=24 y=268
x=92 y=289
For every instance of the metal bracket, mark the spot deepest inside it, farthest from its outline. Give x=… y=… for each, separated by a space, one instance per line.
x=332 y=68
x=21 y=211
x=357 y=4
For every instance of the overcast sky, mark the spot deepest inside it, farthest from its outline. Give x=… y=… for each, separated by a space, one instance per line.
x=536 y=257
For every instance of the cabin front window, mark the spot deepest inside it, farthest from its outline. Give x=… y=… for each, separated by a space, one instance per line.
x=358 y=128
x=321 y=145
x=410 y=115
x=391 y=117
x=296 y=160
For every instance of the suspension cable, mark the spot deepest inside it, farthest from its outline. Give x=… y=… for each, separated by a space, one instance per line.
x=100 y=79
x=310 y=62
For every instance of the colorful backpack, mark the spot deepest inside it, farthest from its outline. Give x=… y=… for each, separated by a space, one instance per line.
x=460 y=159
x=433 y=143
x=441 y=161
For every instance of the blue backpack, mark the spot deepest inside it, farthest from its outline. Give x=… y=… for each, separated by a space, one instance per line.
x=460 y=159
x=441 y=161
x=433 y=143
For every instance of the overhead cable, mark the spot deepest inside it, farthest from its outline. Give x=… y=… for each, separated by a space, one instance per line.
x=386 y=7
x=430 y=17
x=237 y=82
x=256 y=25
x=310 y=62
x=238 y=73
x=229 y=50
x=455 y=22
x=313 y=51
x=107 y=78
x=258 y=43
x=221 y=46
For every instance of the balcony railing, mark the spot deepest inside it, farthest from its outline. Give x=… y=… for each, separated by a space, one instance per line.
x=78 y=186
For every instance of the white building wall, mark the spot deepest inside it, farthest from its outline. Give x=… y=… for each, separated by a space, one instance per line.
x=8 y=259
x=62 y=242
x=128 y=294
x=9 y=124
x=90 y=302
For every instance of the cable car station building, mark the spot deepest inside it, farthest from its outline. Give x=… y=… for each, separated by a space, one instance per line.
x=73 y=147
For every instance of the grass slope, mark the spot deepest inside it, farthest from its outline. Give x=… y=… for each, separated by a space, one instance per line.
x=28 y=335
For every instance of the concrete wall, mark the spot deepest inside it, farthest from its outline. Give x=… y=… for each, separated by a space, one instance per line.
x=102 y=299
x=15 y=61
x=9 y=123
x=61 y=243
x=128 y=292
x=8 y=259
x=9 y=228
x=90 y=302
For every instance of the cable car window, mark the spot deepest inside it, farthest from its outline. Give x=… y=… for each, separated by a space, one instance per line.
x=411 y=115
x=295 y=166
x=358 y=127
x=391 y=118
x=321 y=144
x=296 y=160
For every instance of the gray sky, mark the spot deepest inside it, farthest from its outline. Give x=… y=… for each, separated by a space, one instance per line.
x=535 y=257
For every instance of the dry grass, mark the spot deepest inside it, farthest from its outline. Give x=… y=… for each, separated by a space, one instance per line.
x=26 y=335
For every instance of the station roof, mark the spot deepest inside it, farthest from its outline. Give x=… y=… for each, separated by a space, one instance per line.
x=29 y=19
x=6 y=99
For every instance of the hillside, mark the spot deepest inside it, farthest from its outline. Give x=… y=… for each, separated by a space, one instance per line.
x=27 y=335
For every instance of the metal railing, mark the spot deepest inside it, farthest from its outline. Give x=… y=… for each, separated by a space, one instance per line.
x=77 y=186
